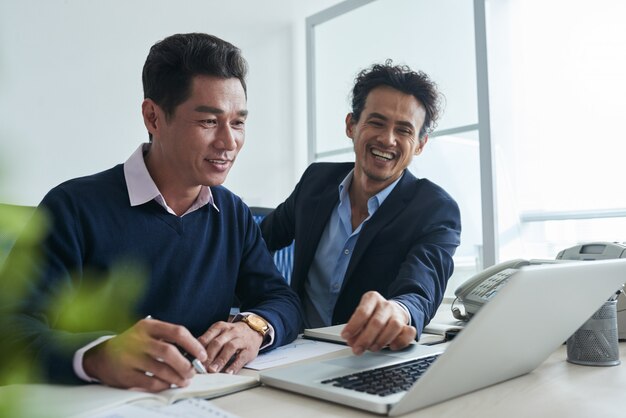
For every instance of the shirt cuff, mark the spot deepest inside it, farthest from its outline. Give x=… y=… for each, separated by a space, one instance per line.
x=77 y=362
x=405 y=309
x=270 y=333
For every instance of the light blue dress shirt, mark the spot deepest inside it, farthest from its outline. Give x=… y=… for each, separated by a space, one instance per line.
x=333 y=254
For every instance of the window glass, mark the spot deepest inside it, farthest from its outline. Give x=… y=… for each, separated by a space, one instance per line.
x=436 y=37
x=557 y=85
x=453 y=163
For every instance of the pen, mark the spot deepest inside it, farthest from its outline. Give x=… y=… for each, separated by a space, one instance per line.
x=194 y=361
x=197 y=365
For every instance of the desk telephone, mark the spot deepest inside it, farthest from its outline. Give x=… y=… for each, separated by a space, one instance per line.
x=479 y=289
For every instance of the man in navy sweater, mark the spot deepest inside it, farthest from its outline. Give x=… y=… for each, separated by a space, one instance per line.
x=373 y=244
x=165 y=209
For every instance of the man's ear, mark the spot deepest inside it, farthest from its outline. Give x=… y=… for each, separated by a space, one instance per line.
x=422 y=144
x=151 y=116
x=350 y=126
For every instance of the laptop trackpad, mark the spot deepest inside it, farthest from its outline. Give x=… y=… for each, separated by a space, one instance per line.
x=370 y=360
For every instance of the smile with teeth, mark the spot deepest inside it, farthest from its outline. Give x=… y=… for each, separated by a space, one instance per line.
x=387 y=156
x=221 y=162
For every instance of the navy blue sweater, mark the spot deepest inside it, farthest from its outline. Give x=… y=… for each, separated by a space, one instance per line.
x=196 y=265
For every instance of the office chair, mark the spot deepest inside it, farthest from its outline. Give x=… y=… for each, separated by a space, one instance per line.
x=283 y=258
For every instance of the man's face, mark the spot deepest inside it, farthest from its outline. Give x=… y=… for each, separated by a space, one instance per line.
x=386 y=136
x=198 y=144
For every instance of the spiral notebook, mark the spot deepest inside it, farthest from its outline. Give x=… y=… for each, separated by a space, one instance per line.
x=188 y=408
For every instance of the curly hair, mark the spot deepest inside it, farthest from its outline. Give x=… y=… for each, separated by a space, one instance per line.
x=402 y=78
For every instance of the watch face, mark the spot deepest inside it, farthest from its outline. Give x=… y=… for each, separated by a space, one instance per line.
x=257 y=323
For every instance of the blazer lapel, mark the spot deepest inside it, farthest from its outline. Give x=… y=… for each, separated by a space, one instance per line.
x=316 y=222
x=393 y=204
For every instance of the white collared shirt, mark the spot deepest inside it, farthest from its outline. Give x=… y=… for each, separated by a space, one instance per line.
x=332 y=257
x=142 y=189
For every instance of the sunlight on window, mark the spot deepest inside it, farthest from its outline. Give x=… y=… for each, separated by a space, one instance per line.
x=557 y=88
x=566 y=103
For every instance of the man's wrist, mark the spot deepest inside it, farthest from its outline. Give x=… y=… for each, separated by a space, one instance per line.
x=405 y=311
x=254 y=321
x=79 y=359
x=92 y=362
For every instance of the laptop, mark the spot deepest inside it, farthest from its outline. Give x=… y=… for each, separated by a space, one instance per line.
x=525 y=322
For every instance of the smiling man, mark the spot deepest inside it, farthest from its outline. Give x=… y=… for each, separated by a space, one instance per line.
x=164 y=209
x=373 y=244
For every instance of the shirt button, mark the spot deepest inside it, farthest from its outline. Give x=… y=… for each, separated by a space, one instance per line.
x=346 y=251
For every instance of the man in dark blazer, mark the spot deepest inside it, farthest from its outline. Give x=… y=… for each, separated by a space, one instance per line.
x=373 y=244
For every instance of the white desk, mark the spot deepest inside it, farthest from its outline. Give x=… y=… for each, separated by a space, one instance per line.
x=555 y=389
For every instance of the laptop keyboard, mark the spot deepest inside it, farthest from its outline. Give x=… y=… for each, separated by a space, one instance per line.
x=385 y=381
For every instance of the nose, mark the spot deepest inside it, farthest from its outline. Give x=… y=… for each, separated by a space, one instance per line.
x=227 y=138
x=387 y=138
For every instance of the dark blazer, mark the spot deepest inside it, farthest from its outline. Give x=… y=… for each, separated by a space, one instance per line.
x=404 y=251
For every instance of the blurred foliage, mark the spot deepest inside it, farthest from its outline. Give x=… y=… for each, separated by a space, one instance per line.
x=30 y=227
x=102 y=301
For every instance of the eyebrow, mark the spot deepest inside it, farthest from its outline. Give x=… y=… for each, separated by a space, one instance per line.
x=216 y=110
x=385 y=118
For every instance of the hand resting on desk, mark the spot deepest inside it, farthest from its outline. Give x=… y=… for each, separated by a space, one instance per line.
x=230 y=346
x=377 y=323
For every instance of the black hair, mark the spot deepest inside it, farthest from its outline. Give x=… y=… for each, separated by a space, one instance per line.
x=402 y=78
x=173 y=62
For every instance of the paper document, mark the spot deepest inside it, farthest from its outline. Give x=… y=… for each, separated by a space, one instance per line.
x=300 y=349
x=197 y=408
x=134 y=411
x=188 y=408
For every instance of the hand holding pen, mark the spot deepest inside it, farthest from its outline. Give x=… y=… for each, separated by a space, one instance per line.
x=146 y=356
x=197 y=364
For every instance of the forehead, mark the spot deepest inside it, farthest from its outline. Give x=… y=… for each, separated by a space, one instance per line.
x=394 y=105
x=225 y=93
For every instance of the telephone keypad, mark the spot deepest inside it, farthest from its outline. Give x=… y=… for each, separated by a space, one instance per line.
x=487 y=289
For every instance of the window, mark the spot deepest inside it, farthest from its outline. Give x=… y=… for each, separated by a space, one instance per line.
x=557 y=87
x=436 y=37
x=533 y=152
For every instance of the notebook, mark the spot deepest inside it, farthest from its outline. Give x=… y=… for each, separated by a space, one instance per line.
x=525 y=322
x=41 y=400
x=332 y=334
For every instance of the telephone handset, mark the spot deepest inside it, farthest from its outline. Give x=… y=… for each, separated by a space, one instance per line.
x=480 y=288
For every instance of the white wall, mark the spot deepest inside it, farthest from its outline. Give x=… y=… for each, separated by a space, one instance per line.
x=70 y=87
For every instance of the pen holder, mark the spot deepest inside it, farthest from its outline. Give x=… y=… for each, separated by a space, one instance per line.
x=595 y=343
